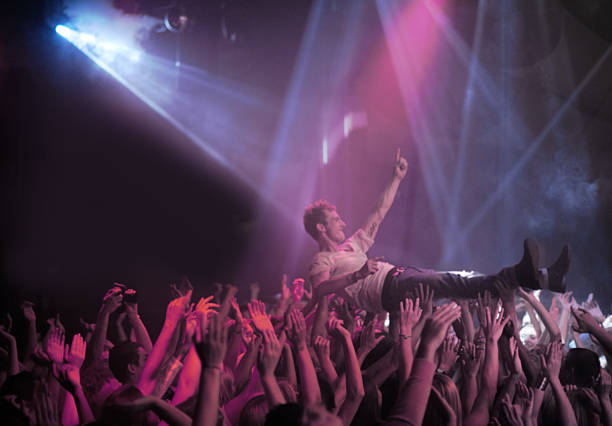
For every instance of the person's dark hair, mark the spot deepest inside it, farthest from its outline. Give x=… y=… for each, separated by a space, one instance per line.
x=580 y=367
x=436 y=414
x=315 y=213
x=254 y=412
x=368 y=412
x=285 y=414
x=120 y=356
x=586 y=413
x=380 y=350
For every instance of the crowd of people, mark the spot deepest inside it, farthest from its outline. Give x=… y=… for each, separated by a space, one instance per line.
x=500 y=358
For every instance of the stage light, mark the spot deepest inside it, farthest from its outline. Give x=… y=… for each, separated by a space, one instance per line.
x=176 y=20
x=324 y=150
x=63 y=31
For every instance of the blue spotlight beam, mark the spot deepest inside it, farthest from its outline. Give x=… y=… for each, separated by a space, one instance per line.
x=504 y=185
x=457 y=184
x=205 y=122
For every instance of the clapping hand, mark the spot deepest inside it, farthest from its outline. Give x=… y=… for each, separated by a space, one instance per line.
x=75 y=355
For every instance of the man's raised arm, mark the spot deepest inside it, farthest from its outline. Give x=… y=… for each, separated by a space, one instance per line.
x=387 y=197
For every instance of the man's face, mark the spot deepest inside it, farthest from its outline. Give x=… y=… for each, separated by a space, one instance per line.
x=142 y=359
x=334 y=226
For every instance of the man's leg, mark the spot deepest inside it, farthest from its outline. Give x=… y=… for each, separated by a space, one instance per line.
x=402 y=283
x=444 y=284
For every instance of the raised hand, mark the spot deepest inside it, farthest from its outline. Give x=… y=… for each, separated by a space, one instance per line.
x=27 y=308
x=297 y=289
x=75 y=355
x=471 y=359
x=506 y=292
x=297 y=327
x=205 y=308
x=437 y=325
x=254 y=291
x=270 y=353
x=261 y=320
x=54 y=346
x=592 y=307
x=321 y=345
x=492 y=323
x=112 y=300
x=552 y=362
x=511 y=413
x=565 y=300
x=337 y=330
x=285 y=293
x=68 y=376
x=410 y=313
x=401 y=166
x=604 y=384
x=531 y=297
x=367 y=338
x=176 y=308
x=448 y=353
x=554 y=310
x=130 y=308
x=212 y=346
x=426 y=296
x=585 y=323
x=343 y=312
x=89 y=327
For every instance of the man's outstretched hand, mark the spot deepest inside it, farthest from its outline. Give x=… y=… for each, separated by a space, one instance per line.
x=401 y=166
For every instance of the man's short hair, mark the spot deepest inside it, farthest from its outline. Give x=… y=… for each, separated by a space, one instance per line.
x=315 y=213
x=120 y=356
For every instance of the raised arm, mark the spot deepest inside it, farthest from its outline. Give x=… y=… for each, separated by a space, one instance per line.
x=70 y=378
x=142 y=335
x=211 y=350
x=492 y=323
x=549 y=323
x=552 y=365
x=174 y=314
x=586 y=323
x=32 y=339
x=386 y=197
x=414 y=393
x=266 y=364
x=309 y=385
x=111 y=302
x=354 y=382
x=410 y=313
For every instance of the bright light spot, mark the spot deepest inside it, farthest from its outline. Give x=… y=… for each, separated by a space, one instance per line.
x=177 y=64
x=87 y=38
x=348 y=124
x=135 y=57
x=63 y=31
x=324 y=150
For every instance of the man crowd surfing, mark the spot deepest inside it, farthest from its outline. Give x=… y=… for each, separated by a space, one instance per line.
x=359 y=342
